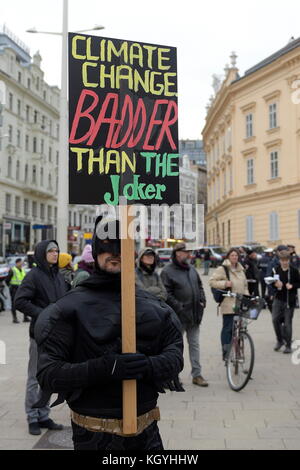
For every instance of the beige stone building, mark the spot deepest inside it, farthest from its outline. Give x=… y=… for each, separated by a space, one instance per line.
x=252 y=141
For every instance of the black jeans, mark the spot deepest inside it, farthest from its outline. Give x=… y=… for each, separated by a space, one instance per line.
x=149 y=439
x=280 y=311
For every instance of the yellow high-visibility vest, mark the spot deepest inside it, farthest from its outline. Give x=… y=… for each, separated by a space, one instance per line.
x=18 y=276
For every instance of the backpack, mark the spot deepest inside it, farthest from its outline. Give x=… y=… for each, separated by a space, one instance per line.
x=217 y=293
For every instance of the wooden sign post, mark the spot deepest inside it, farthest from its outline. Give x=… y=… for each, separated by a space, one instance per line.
x=123 y=142
x=128 y=320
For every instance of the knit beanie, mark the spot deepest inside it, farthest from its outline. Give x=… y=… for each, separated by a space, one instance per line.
x=64 y=259
x=51 y=246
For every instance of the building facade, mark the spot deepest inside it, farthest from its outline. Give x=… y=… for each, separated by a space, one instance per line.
x=252 y=141
x=29 y=153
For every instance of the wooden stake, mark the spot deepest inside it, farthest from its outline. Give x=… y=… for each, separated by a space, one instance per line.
x=128 y=319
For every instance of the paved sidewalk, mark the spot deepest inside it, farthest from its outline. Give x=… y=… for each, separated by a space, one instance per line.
x=265 y=415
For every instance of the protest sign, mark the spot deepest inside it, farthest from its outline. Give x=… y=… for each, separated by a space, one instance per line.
x=123 y=122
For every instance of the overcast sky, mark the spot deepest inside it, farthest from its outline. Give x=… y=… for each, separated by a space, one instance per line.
x=204 y=32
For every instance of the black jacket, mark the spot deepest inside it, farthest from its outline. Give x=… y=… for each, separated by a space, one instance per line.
x=285 y=295
x=185 y=292
x=86 y=324
x=41 y=286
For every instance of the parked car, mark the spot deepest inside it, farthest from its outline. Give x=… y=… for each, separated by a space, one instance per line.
x=4 y=293
x=217 y=254
x=164 y=255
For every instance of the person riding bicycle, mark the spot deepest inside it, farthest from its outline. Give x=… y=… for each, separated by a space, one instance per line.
x=236 y=281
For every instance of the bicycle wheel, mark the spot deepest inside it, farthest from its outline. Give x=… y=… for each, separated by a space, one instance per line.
x=240 y=361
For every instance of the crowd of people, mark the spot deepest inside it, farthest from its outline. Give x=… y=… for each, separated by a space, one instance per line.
x=75 y=329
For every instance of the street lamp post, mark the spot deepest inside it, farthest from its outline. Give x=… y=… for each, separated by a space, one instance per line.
x=62 y=191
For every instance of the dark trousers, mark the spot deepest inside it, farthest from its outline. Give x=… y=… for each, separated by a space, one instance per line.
x=280 y=311
x=253 y=289
x=226 y=333
x=13 y=290
x=149 y=439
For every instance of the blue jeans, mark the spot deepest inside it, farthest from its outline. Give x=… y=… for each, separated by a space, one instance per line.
x=226 y=333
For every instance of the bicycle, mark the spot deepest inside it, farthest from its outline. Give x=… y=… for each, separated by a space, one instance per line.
x=239 y=361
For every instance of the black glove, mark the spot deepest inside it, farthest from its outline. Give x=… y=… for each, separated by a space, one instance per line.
x=127 y=366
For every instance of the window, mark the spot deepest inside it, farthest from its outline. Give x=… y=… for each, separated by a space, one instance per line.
x=49 y=213
x=75 y=219
x=10 y=101
x=27 y=143
x=34 y=145
x=249 y=125
x=19 y=107
x=19 y=77
x=55 y=214
x=42 y=211
x=10 y=134
x=37 y=83
x=274 y=227
x=26 y=173
x=273 y=115
x=27 y=113
x=18 y=138
x=43 y=122
x=9 y=167
x=249 y=228
x=57 y=131
x=250 y=171
x=274 y=164
x=26 y=207
x=18 y=170
x=50 y=154
x=35 y=118
x=28 y=83
x=42 y=177
x=50 y=181
x=34 y=208
x=42 y=145
x=17 y=205
x=57 y=158
x=7 y=202
x=56 y=184
x=34 y=174
x=228 y=233
x=50 y=128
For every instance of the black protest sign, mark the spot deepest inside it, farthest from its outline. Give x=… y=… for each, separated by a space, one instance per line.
x=123 y=122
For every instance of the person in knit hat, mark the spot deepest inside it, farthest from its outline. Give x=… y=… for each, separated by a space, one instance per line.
x=66 y=268
x=85 y=266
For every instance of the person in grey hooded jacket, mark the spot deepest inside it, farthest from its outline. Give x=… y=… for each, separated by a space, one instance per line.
x=146 y=276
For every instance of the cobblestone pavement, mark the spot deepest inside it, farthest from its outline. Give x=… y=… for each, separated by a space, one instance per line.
x=265 y=415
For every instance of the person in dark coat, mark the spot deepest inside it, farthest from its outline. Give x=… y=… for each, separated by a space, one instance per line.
x=186 y=296
x=252 y=272
x=284 y=292
x=263 y=266
x=80 y=355
x=146 y=276
x=42 y=286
